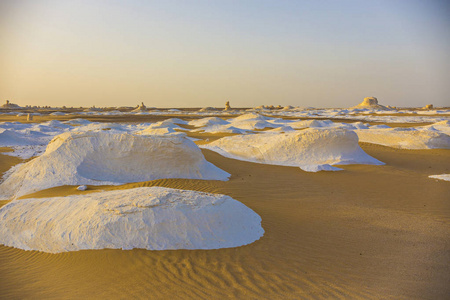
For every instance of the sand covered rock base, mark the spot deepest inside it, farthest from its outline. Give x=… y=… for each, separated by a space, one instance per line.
x=98 y=158
x=310 y=149
x=150 y=218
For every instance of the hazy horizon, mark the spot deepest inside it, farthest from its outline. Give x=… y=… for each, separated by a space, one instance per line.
x=204 y=53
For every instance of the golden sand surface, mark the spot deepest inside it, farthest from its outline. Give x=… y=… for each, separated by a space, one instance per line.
x=7 y=161
x=368 y=232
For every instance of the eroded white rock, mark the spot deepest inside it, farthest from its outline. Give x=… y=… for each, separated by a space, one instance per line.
x=445 y=177
x=97 y=158
x=152 y=218
x=310 y=149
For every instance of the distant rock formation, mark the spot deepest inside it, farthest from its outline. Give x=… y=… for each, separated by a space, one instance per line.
x=93 y=108
x=227 y=106
x=10 y=105
x=271 y=107
x=429 y=106
x=207 y=109
x=371 y=102
x=140 y=108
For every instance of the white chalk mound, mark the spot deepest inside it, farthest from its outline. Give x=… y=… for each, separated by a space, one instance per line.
x=152 y=218
x=98 y=158
x=445 y=177
x=252 y=121
x=442 y=126
x=310 y=149
x=10 y=137
x=406 y=138
x=211 y=121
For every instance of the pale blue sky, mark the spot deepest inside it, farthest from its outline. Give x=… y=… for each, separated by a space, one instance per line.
x=203 y=53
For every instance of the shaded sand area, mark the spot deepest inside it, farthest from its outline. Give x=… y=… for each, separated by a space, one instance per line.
x=368 y=232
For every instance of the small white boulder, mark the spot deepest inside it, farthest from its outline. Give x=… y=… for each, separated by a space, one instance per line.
x=82 y=188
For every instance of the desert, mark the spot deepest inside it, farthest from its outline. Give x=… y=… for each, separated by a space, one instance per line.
x=376 y=228
x=214 y=150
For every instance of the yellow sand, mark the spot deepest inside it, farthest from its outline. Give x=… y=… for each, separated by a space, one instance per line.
x=7 y=161
x=369 y=232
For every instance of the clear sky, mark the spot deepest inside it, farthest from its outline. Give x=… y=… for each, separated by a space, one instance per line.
x=203 y=53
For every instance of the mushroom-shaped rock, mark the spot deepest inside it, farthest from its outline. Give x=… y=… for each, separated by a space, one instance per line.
x=371 y=103
x=10 y=105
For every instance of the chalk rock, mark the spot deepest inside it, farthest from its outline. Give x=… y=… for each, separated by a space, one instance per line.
x=96 y=158
x=152 y=218
x=371 y=103
x=310 y=149
x=10 y=105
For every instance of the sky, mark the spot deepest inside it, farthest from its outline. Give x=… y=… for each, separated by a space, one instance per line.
x=203 y=53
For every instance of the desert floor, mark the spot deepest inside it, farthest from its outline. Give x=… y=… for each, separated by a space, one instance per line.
x=368 y=232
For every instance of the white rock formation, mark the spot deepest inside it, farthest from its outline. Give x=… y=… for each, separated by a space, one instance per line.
x=206 y=109
x=210 y=121
x=445 y=177
x=9 y=105
x=98 y=158
x=92 y=109
x=252 y=121
x=312 y=124
x=58 y=113
x=442 y=126
x=165 y=127
x=140 y=108
x=369 y=101
x=310 y=149
x=160 y=131
x=406 y=138
x=11 y=137
x=152 y=218
x=372 y=103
